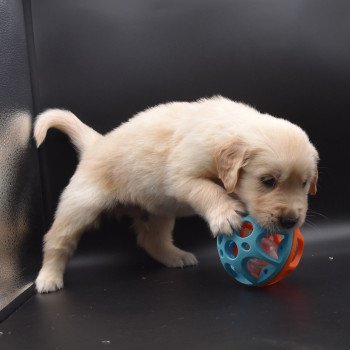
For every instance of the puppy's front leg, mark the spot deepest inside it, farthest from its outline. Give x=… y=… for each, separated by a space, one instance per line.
x=213 y=203
x=155 y=236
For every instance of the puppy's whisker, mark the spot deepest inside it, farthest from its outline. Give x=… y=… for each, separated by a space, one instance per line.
x=317 y=213
x=311 y=224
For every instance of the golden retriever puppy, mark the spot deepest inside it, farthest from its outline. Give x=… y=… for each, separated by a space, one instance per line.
x=214 y=157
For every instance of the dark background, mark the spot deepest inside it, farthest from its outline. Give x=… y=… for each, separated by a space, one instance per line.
x=105 y=61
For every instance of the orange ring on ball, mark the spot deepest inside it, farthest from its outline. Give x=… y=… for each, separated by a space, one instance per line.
x=293 y=260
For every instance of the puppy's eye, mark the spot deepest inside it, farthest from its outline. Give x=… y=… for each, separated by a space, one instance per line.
x=304 y=184
x=269 y=181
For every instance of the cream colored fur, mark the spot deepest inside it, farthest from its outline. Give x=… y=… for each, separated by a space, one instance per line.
x=208 y=157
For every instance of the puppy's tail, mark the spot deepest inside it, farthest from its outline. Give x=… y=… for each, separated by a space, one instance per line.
x=80 y=134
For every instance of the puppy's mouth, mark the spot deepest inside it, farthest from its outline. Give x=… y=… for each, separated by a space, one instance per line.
x=268 y=220
x=270 y=226
x=277 y=225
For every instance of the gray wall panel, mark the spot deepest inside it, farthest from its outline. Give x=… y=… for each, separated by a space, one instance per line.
x=21 y=212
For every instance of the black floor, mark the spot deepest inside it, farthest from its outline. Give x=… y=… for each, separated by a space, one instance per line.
x=126 y=301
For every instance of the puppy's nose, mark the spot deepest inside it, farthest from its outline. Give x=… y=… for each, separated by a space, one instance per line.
x=287 y=222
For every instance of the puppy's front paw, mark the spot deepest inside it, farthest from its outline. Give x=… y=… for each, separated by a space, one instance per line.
x=47 y=282
x=179 y=258
x=224 y=219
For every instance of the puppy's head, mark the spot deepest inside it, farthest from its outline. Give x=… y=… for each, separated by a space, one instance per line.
x=272 y=171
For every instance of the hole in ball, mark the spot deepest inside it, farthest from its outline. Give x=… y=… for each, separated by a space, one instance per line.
x=245 y=246
x=257 y=266
x=234 y=249
x=246 y=229
x=271 y=244
x=231 y=249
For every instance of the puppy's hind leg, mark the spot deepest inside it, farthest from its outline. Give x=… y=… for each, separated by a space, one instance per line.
x=155 y=236
x=80 y=204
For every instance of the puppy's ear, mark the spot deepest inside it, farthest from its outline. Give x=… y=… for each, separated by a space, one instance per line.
x=313 y=186
x=230 y=159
